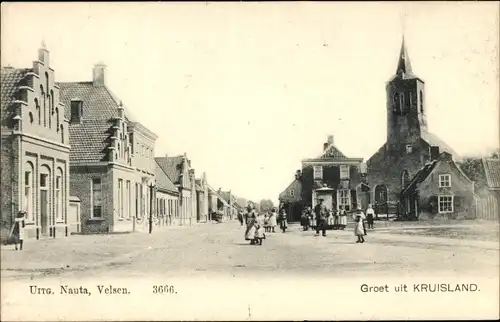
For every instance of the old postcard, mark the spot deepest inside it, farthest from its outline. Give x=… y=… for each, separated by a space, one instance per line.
x=249 y=161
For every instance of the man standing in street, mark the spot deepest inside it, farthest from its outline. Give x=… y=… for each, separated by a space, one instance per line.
x=321 y=215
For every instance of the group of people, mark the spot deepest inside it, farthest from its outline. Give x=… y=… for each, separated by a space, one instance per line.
x=322 y=218
x=257 y=224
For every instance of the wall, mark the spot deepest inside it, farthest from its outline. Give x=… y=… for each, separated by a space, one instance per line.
x=123 y=215
x=9 y=182
x=80 y=186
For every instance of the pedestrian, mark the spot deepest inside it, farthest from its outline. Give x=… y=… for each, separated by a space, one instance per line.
x=359 y=213
x=240 y=217
x=303 y=219
x=266 y=222
x=358 y=229
x=283 y=220
x=18 y=231
x=321 y=213
x=308 y=217
x=251 y=217
x=335 y=219
x=370 y=213
x=331 y=220
x=273 y=220
x=259 y=229
x=342 y=218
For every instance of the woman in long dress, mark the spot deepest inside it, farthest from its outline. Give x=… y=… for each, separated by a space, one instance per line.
x=18 y=231
x=251 y=217
x=273 y=221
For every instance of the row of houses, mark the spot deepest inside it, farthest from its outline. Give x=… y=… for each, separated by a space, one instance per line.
x=75 y=160
x=414 y=173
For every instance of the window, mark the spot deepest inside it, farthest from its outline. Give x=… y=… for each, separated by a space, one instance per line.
x=62 y=134
x=421 y=102
x=318 y=172
x=39 y=111
x=52 y=101
x=31 y=117
x=136 y=200
x=344 y=172
x=50 y=117
x=344 y=199
x=76 y=111
x=57 y=119
x=43 y=180
x=59 y=203
x=292 y=192
x=96 y=198
x=409 y=148
x=402 y=101
x=445 y=204
x=129 y=200
x=28 y=192
x=444 y=180
x=408 y=102
x=120 y=198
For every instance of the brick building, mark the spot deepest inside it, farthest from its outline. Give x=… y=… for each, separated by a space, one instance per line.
x=291 y=198
x=111 y=158
x=167 y=200
x=407 y=147
x=332 y=176
x=439 y=188
x=202 y=199
x=35 y=150
x=178 y=169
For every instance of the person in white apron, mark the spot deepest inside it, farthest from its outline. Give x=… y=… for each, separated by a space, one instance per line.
x=18 y=231
x=342 y=218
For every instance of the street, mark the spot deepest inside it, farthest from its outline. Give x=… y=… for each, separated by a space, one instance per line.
x=210 y=253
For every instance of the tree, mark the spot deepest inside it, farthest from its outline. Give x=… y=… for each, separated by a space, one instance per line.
x=473 y=169
x=266 y=205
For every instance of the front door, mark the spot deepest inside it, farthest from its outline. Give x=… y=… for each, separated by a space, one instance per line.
x=381 y=199
x=44 y=213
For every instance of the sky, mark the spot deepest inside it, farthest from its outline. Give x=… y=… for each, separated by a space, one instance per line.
x=248 y=90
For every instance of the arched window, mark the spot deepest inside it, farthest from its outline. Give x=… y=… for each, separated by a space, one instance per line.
x=405 y=179
x=57 y=119
x=62 y=134
x=42 y=96
x=421 y=102
x=39 y=111
x=59 y=195
x=52 y=101
x=49 y=113
x=395 y=103
x=29 y=184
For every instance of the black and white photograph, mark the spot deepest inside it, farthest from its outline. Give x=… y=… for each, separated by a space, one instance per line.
x=249 y=161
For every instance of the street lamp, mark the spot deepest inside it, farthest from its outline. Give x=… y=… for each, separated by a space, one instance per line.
x=152 y=190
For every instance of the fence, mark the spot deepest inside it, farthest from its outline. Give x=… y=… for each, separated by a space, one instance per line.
x=487 y=207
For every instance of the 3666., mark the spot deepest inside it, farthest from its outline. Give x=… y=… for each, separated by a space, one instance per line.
x=164 y=289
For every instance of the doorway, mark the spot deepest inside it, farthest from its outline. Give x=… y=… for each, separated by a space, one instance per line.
x=44 y=213
x=381 y=199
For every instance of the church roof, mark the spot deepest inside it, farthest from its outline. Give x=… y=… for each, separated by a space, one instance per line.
x=434 y=140
x=404 y=70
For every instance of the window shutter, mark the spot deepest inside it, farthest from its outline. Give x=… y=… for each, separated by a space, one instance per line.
x=354 y=201
x=458 y=203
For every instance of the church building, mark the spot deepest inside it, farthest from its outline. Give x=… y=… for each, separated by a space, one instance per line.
x=408 y=144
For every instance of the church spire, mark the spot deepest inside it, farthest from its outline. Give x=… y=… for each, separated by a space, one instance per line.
x=404 y=64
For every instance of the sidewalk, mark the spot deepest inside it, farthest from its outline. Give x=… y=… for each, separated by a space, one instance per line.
x=86 y=251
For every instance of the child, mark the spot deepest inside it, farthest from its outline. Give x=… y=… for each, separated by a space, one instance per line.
x=359 y=230
x=266 y=223
x=259 y=230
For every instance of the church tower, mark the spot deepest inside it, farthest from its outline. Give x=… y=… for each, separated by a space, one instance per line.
x=405 y=107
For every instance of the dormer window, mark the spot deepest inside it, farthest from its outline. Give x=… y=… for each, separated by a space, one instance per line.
x=76 y=111
x=409 y=148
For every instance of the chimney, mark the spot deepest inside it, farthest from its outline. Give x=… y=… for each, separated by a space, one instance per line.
x=298 y=174
x=99 y=75
x=330 y=139
x=43 y=54
x=325 y=146
x=434 y=152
